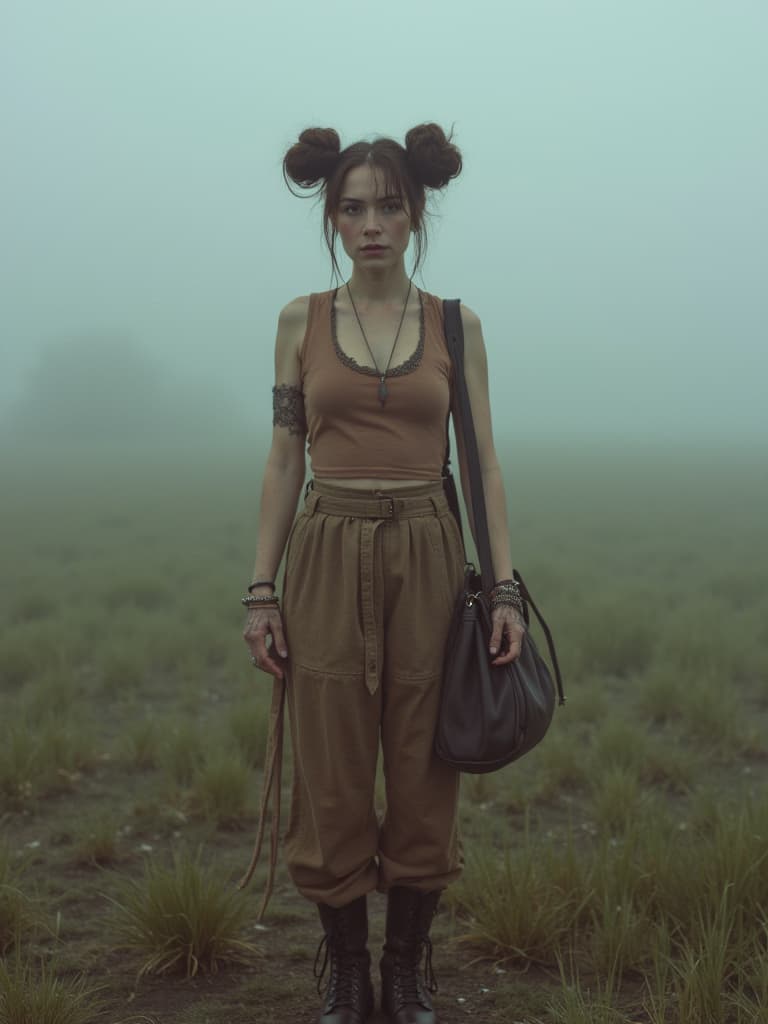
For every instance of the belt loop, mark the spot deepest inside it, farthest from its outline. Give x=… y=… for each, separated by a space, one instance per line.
x=310 y=503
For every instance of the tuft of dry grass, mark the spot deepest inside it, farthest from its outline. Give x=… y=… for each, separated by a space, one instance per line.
x=18 y=915
x=183 y=918
x=34 y=995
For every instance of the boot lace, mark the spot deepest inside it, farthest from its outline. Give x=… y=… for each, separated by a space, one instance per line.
x=344 y=984
x=408 y=982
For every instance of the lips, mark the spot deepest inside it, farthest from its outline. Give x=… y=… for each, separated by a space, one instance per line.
x=373 y=248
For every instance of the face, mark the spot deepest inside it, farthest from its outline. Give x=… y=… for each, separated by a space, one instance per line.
x=368 y=216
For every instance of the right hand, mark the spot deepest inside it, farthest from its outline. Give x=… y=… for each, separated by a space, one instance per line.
x=260 y=624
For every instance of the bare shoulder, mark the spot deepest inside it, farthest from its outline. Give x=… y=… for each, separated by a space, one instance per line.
x=293 y=316
x=291 y=328
x=474 y=345
x=469 y=318
x=296 y=308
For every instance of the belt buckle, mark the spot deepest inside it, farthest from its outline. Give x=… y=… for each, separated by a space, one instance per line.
x=392 y=510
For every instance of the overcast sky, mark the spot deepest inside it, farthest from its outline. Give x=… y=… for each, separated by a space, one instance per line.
x=610 y=227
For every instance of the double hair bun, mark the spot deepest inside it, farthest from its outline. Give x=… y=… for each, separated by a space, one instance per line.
x=430 y=156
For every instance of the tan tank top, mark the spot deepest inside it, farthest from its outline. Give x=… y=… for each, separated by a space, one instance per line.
x=349 y=434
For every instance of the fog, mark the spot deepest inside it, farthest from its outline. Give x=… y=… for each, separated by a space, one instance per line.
x=610 y=226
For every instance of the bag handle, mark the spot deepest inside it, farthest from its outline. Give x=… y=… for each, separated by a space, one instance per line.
x=454 y=336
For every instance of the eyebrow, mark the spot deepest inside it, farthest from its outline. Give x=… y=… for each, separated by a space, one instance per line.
x=352 y=199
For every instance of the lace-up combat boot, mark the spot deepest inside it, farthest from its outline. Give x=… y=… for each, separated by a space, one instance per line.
x=405 y=997
x=349 y=995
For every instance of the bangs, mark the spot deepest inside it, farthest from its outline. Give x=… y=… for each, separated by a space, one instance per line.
x=387 y=171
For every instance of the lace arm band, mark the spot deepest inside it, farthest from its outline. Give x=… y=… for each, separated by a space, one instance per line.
x=288 y=408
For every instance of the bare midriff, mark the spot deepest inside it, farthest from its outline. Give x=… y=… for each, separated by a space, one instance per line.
x=373 y=485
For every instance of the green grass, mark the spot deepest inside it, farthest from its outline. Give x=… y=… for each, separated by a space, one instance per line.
x=97 y=843
x=221 y=788
x=182 y=752
x=20 y=915
x=34 y=995
x=248 y=724
x=47 y=758
x=140 y=743
x=684 y=907
x=621 y=862
x=182 y=918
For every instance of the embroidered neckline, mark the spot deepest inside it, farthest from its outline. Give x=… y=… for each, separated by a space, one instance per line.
x=411 y=363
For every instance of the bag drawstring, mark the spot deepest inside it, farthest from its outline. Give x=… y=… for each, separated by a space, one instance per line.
x=550 y=642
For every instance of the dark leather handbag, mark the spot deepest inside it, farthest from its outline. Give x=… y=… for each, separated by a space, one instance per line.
x=489 y=715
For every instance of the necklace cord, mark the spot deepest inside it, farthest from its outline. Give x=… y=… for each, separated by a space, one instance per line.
x=382 y=376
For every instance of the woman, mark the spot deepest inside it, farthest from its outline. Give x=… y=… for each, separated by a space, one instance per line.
x=374 y=564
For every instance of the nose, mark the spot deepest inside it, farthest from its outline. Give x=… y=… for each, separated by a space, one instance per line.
x=371 y=222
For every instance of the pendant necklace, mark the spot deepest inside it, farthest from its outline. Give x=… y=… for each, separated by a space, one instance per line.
x=382 y=376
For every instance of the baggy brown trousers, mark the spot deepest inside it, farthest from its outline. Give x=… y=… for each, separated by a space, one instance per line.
x=371 y=581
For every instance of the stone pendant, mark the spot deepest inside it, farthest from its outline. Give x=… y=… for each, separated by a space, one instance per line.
x=382 y=392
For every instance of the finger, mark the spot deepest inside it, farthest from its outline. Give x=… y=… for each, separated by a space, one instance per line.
x=278 y=639
x=271 y=667
x=512 y=654
x=496 y=635
x=513 y=647
x=258 y=643
x=261 y=659
x=264 y=656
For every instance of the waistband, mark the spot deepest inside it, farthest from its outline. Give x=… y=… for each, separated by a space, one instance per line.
x=401 y=503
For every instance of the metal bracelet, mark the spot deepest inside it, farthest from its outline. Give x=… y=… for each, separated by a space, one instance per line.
x=266 y=599
x=512 y=585
x=507 y=600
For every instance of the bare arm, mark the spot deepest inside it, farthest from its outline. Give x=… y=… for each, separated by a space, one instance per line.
x=508 y=626
x=282 y=482
x=476 y=373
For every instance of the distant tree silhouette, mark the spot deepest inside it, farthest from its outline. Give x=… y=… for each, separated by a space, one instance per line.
x=94 y=385
x=104 y=386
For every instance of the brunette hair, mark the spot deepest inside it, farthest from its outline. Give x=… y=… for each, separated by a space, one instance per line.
x=428 y=160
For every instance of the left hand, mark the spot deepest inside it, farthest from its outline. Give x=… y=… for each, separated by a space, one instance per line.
x=507 y=634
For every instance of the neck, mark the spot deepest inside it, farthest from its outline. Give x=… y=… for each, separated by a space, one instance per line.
x=379 y=285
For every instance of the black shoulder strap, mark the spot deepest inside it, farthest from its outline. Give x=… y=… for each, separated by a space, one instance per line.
x=454 y=337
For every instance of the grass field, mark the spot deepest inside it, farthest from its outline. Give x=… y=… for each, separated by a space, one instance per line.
x=618 y=874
